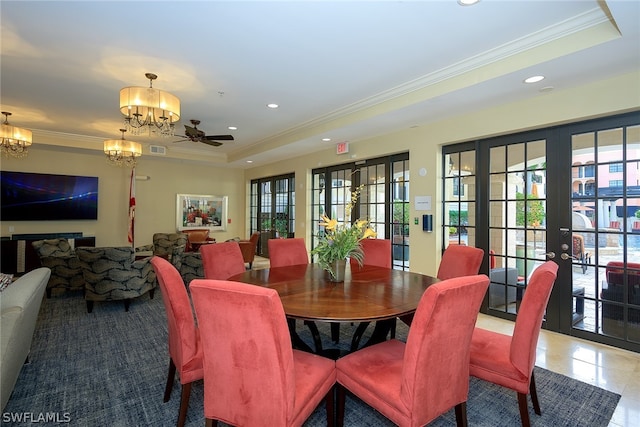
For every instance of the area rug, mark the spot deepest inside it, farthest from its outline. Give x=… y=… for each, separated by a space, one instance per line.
x=109 y=368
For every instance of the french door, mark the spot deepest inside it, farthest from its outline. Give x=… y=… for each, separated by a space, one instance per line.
x=272 y=209
x=570 y=194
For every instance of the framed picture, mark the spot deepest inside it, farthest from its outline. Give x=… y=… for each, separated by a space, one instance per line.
x=201 y=211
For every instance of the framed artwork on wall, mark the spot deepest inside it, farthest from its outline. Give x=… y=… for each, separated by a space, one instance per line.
x=201 y=211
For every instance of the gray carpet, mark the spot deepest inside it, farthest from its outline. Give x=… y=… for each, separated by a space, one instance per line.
x=109 y=368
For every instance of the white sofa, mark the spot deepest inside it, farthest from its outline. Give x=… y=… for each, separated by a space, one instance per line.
x=19 y=307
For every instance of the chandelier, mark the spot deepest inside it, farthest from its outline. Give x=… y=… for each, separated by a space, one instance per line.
x=149 y=110
x=121 y=152
x=15 y=140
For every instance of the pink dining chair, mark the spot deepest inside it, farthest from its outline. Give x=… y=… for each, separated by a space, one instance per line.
x=457 y=261
x=377 y=252
x=285 y=252
x=185 y=351
x=509 y=360
x=222 y=260
x=411 y=384
x=252 y=376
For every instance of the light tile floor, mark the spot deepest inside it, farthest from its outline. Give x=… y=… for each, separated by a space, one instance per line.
x=607 y=367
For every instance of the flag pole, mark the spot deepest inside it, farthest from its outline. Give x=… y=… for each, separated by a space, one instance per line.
x=132 y=208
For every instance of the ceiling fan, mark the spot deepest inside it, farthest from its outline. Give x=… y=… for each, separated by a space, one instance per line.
x=196 y=135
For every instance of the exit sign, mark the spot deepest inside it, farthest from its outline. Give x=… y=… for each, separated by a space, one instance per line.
x=342 y=147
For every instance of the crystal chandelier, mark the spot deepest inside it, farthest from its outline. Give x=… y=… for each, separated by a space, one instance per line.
x=149 y=110
x=121 y=152
x=15 y=140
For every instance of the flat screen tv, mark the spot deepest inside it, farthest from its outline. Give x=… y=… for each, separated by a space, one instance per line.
x=43 y=197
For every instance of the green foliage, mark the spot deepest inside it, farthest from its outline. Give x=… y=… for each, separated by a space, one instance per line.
x=400 y=218
x=535 y=214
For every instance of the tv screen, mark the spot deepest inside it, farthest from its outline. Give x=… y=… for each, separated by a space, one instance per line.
x=44 y=197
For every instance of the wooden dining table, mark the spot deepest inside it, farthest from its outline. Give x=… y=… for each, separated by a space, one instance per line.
x=367 y=294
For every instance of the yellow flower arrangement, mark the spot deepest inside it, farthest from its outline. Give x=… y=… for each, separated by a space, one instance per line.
x=341 y=241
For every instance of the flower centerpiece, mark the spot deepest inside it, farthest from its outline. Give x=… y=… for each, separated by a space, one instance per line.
x=337 y=242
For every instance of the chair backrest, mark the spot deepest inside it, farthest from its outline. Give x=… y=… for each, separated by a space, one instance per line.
x=529 y=319
x=248 y=247
x=183 y=338
x=616 y=271
x=436 y=358
x=52 y=247
x=458 y=260
x=377 y=252
x=195 y=235
x=222 y=260
x=578 y=245
x=163 y=243
x=247 y=353
x=285 y=252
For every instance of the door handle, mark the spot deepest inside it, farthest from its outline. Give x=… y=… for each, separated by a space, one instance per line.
x=551 y=255
x=566 y=256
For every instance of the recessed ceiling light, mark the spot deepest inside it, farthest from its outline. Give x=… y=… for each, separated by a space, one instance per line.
x=467 y=2
x=232 y=128
x=272 y=105
x=326 y=139
x=534 y=79
x=249 y=161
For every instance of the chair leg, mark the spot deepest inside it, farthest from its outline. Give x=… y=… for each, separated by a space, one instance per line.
x=330 y=398
x=48 y=292
x=210 y=423
x=340 y=392
x=335 y=332
x=170 y=378
x=184 y=404
x=461 y=414
x=524 y=410
x=127 y=303
x=534 y=395
x=152 y=293
x=89 y=306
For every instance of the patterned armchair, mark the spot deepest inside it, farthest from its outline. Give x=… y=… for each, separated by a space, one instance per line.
x=189 y=264
x=164 y=243
x=57 y=255
x=111 y=274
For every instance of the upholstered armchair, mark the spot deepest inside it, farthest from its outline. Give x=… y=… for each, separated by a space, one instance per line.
x=248 y=248
x=189 y=264
x=112 y=274
x=163 y=244
x=61 y=259
x=196 y=236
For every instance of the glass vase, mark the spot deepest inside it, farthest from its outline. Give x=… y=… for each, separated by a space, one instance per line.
x=336 y=270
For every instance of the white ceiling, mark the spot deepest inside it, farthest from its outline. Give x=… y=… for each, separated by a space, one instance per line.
x=346 y=70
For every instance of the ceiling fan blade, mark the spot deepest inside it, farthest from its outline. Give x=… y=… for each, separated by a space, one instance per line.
x=214 y=143
x=219 y=137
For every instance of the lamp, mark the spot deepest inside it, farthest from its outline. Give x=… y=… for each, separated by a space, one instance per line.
x=121 y=152
x=15 y=140
x=149 y=109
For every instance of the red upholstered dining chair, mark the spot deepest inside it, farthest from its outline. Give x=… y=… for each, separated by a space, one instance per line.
x=252 y=376
x=285 y=252
x=377 y=252
x=222 y=260
x=185 y=351
x=509 y=360
x=411 y=384
x=457 y=261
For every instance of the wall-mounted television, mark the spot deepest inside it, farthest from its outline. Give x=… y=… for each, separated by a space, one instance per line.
x=28 y=196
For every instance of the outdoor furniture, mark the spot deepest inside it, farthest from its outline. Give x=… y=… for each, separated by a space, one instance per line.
x=579 y=252
x=613 y=296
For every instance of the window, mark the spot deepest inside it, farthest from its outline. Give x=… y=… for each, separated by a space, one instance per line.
x=615 y=183
x=615 y=167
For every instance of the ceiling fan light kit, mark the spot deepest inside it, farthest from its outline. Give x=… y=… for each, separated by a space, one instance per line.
x=15 y=141
x=149 y=110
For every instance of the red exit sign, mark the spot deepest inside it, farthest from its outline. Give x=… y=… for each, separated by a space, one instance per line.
x=342 y=147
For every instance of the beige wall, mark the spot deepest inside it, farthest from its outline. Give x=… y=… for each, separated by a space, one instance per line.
x=423 y=143
x=156 y=198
